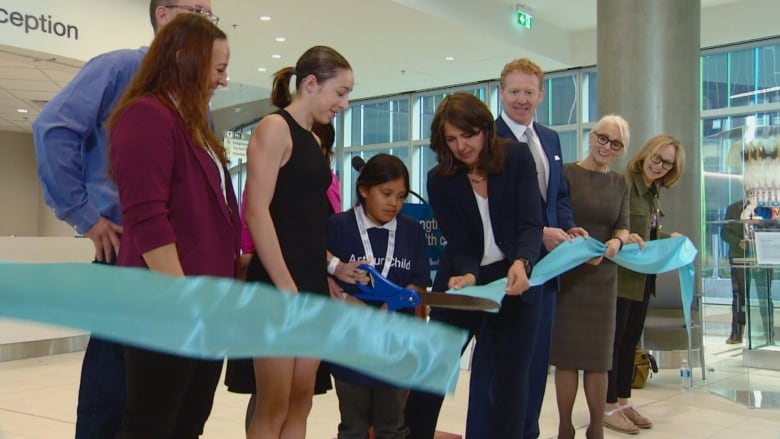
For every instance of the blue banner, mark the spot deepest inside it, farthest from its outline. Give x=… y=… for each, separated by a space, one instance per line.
x=208 y=317
x=423 y=213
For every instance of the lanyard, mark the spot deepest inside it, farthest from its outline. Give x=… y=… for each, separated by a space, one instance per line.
x=367 y=243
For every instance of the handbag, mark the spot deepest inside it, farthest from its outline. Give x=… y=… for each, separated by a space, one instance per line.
x=644 y=368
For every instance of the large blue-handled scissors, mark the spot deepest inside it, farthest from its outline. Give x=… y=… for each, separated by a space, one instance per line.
x=380 y=289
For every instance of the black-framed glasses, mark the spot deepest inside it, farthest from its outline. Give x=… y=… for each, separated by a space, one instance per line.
x=665 y=164
x=616 y=145
x=198 y=10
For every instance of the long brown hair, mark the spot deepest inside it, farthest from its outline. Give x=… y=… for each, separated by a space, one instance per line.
x=321 y=61
x=466 y=112
x=177 y=72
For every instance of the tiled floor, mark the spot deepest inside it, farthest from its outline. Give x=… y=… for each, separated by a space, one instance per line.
x=38 y=401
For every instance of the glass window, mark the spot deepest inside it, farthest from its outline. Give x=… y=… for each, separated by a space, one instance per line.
x=380 y=122
x=560 y=100
x=714 y=83
x=568 y=146
x=590 y=97
x=742 y=68
x=768 y=74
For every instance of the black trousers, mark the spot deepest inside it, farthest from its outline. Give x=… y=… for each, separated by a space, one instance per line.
x=741 y=279
x=498 y=392
x=629 y=324
x=168 y=396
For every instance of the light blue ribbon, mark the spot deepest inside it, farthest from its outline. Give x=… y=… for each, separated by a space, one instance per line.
x=659 y=256
x=208 y=317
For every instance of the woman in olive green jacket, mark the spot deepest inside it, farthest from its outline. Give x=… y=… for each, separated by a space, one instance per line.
x=658 y=164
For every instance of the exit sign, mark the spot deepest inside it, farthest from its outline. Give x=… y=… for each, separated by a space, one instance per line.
x=524 y=19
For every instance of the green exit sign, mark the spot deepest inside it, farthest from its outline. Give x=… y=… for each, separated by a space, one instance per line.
x=524 y=19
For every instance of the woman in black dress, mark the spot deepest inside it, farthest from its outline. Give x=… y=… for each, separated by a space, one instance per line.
x=287 y=211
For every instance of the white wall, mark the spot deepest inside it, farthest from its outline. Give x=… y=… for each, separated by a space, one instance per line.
x=21 y=199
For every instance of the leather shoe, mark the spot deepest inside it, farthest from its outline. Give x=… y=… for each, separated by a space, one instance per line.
x=634 y=416
x=616 y=420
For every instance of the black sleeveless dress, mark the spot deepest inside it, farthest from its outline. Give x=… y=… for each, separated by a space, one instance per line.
x=299 y=210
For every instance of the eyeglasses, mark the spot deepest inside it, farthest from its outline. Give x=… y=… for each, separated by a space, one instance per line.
x=198 y=10
x=658 y=160
x=616 y=145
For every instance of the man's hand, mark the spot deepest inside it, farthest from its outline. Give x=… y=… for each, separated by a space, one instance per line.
x=105 y=235
x=553 y=237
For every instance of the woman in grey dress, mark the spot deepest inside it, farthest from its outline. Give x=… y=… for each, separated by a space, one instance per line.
x=584 y=324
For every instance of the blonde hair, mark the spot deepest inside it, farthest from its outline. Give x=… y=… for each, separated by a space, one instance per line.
x=619 y=123
x=653 y=147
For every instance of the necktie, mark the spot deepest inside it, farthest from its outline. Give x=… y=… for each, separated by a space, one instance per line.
x=536 y=150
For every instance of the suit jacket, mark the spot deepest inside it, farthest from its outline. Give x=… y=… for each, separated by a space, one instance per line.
x=557 y=210
x=169 y=191
x=515 y=214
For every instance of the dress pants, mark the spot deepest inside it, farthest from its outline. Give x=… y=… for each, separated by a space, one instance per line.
x=630 y=318
x=498 y=390
x=101 y=399
x=168 y=396
x=540 y=360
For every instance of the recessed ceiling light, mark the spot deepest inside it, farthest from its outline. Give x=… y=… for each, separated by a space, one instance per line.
x=276 y=56
x=449 y=58
x=261 y=69
x=265 y=18
x=22 y=110
x=280 y=39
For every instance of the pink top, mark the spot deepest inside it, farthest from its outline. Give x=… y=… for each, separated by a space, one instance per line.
x=334 y=197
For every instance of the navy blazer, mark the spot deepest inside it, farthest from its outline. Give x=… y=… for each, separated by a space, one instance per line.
x=515 y=214
x=170 y=192
x=557 y=210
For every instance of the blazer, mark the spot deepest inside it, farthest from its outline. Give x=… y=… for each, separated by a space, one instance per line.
x=631 y=285
x=557 y=210
x=170 y=192
x=515 y=214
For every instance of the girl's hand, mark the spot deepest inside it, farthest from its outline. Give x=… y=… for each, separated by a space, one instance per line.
x=348 y=272
x=336 y=293
x=458 y=282
x=517 y=279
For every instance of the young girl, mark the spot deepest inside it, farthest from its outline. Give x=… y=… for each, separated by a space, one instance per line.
x=375 y=231
x=287 y=213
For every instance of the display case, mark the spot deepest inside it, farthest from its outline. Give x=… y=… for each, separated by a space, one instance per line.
x=742 y=208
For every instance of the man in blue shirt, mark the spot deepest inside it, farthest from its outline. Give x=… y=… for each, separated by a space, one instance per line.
x=71 y=147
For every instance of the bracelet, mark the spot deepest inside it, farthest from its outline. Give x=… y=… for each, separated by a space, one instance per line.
x=334 y=262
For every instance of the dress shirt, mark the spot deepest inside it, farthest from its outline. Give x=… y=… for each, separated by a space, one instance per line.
x=526 y=134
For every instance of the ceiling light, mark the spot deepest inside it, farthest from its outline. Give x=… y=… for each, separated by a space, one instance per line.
x=261 y=69
x=449 y=58
x=22 y=110
x=280 y=39
x=276 y=56
x=265 y=18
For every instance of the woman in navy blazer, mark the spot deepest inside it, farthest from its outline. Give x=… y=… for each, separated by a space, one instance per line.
x=179 y=210
x=484 y=195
